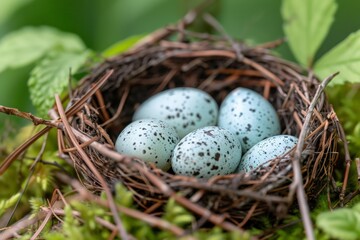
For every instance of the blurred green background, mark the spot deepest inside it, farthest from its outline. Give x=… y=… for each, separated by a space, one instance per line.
x=102 y=23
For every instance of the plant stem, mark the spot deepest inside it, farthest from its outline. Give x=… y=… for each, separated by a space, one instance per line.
x=298 y=181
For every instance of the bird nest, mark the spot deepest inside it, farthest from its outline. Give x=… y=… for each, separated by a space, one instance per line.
x=176 y=57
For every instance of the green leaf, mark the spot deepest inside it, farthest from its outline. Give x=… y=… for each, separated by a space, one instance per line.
x=36 y=203
x=27 y=45
x=51 y=76
x=6 y=204
x=123 y=196
x=306 y=24
x=122 y=46
x=177 y=214
x=71 y=225
x=344 y=57
x=341 y=223
x=8 y=7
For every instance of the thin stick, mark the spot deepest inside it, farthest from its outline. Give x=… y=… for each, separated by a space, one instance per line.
x=119 y=109
x=215 y=24
x=265 y=72
x=298 y=181
x=24 y=223
x=272 y=44
x=49 y=124
x=357 y=161
x=168 y=191
x=75 y=108
x=102 y=105
x=57 y=201
x=36 y=120
x=122 y=233
x=347 y=162
x=32 y=170
x=152 y=220
x=9 y=159
x=99 y=220
x=42 y=226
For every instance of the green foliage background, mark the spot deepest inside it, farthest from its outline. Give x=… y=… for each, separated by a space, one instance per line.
x=100 y=24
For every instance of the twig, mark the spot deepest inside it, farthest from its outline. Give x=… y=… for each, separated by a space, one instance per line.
x=32 y=170
x=152 y=220
x=168 y=191
x=272 y=44
x=248 y=215
x=351 y=196
x=42 y=226
x=119 y=109
x=102 y=105
x=122 y=233
x=260 y=196
x=357 y=161
x=49 y=124
x=25 y=115
x=215 y=24
x=99 y=220
x=75 y=108
x=53 y=203
x=267 y=73
x=347 y=161
x=298 y=181
x=19 y=150
x=25 y=222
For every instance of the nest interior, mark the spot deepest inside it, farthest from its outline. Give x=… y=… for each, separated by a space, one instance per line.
x=174 y=57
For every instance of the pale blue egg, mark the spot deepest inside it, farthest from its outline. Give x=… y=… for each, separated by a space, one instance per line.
x=207 y=152
x=184 y=108
x=249 y=116
x=266 y=150
x=150 y=140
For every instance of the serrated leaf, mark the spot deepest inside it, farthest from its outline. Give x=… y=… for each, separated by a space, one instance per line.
x=122 y=46
x=341 y=223
x=36 y=204
x=51 y=76
x=8 y=7
x=28 y=44
x=306 y=24
x=344 y=57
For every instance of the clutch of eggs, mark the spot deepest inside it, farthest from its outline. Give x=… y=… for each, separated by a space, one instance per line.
x=177 y=128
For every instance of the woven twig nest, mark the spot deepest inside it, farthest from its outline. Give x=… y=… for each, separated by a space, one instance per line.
x=174 y=57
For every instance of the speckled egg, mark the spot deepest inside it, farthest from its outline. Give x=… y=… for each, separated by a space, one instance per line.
x=184 y=108
x=249 y=116
x=266 y=150
x=207 y=152
x=150 y=140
